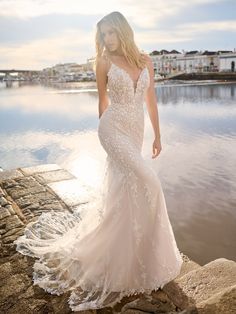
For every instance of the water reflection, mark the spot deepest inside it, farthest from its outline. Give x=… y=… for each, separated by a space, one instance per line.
x=177 y=94
x=58 y=124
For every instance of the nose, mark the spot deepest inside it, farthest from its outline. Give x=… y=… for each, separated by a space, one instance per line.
x=107 y=38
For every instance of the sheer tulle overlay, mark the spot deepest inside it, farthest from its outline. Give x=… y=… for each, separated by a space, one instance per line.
x=122 y=243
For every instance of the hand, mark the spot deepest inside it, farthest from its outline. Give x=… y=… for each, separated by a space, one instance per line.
x=156 y=147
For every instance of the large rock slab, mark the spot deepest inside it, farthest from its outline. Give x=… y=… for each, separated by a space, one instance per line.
x=221 y=302
x=199 y=287
x=71 y=192
x=53 y=176
x=40 y=168
x=10 y=174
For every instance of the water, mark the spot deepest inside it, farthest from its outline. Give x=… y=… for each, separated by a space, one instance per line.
x=58 y=124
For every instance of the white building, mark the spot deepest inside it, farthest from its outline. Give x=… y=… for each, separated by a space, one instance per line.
x=227 y=62
x=191 y=62
x=165 y=62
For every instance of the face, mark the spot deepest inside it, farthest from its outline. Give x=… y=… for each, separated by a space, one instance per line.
x=109 y=37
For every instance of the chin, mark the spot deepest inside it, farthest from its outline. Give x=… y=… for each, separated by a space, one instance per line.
x=112 y=49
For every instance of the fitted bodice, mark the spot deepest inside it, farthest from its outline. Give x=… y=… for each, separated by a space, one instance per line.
x=125 y=113
x=121 y=87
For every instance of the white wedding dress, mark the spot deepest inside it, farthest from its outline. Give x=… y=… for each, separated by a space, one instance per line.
x=124 y=244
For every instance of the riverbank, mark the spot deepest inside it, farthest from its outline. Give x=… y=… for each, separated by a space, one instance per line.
x=27 y=192
x=219 y=76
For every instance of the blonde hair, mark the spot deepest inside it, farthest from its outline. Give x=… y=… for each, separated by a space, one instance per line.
x=118 y=22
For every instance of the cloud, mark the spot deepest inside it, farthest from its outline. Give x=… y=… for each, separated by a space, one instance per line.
x=40 y=33
x=67 y=46
x=145 y=13
x=150 y=14
x=28 y=8
x=14 y=30
x=184 y=32
x=196 y=28
x=77 y=45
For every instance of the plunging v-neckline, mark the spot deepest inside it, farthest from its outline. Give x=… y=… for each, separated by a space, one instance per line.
x=128 y=75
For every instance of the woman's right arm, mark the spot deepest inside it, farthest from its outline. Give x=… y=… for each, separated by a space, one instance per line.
x=101 y=80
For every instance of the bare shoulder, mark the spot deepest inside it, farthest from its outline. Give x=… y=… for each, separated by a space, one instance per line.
x=147 y=58
x=102 y=63
x=149 y=63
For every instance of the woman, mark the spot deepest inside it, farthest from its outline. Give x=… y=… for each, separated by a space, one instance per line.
x=126 y=245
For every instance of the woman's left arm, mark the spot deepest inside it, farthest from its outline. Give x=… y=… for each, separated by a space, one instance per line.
x=151 y=102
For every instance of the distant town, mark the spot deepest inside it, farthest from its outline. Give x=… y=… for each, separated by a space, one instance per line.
x=167 y=65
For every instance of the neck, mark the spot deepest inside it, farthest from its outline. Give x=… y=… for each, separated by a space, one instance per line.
x=117 y=52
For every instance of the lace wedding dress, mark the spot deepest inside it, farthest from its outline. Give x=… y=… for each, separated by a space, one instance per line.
x=123 y=245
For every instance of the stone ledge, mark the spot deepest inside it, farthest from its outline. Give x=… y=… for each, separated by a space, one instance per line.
x=40 y=169
x=10 y=174
x=198 y=287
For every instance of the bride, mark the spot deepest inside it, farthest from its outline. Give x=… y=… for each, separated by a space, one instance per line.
x=125 y=245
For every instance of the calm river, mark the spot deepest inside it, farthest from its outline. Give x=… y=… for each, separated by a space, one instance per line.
x=197 y=164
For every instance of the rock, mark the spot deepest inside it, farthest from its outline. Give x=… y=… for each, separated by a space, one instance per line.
x=10 y=174
x=40 y=168
x=13 y=222
x=11 y=232
x=191 y=310
x=41 y=197
x=4 y=212
x=14 y=285
x=222 y=302
x=148 y=304
x=53 y=176
x=22 y=192
x=202 y=284
x=1 y=192
x=132 y=311
x=10 y=209
x=5 y=271
x=31 y=306
x=27 y=294
x=3 y=201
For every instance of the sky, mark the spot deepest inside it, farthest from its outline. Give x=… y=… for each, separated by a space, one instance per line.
x=35 y=34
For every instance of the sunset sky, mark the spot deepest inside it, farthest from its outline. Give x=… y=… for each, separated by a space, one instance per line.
x=35 y=34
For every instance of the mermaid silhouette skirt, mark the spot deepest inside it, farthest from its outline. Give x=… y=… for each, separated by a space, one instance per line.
x=123 y=244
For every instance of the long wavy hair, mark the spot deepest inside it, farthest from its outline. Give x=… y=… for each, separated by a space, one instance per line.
x=131 y=52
